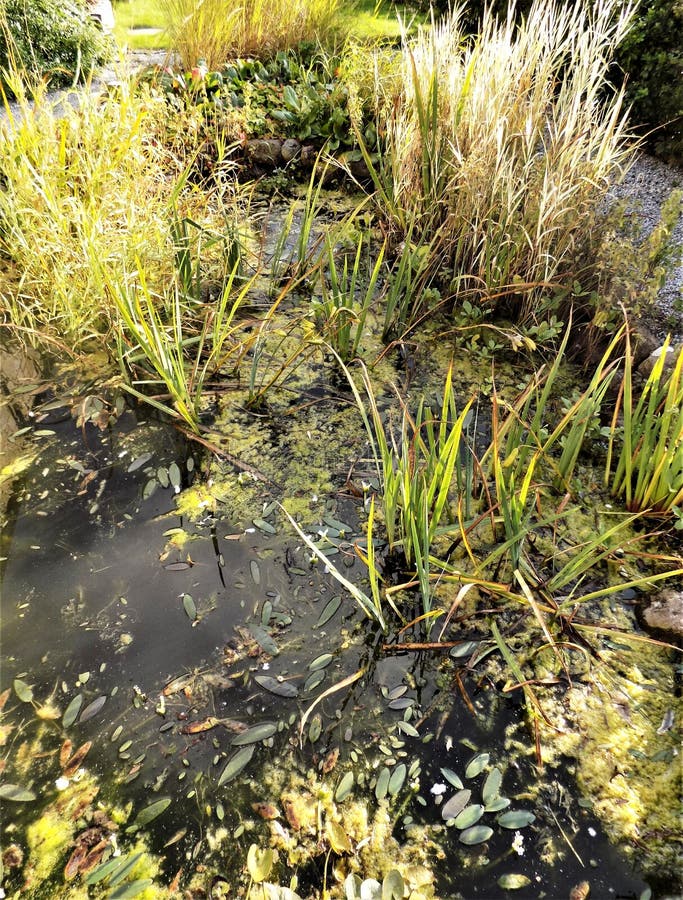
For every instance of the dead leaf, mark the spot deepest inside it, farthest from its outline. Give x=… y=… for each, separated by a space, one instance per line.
x=74 y=764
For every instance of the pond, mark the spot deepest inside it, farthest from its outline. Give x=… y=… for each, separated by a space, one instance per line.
x=190 y=690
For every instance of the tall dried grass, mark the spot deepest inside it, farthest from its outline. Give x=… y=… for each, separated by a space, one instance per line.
x=502 y=143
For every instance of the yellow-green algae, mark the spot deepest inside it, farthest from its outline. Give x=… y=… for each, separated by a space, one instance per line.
x=606 y=727
x=307 y=826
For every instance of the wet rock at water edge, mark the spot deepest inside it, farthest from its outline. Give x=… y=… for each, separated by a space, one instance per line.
x=264 y=151
x=648 y=364
x=290 y=149
x=665 y=613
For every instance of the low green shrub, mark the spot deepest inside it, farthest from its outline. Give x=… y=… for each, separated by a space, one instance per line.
x=651 y=58
x=55 y=41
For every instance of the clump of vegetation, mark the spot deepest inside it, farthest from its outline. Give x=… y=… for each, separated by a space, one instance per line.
x=203 y=30
x=501 y=145
x=56 y=42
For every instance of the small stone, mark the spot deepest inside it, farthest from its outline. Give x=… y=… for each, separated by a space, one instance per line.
x=665 y=613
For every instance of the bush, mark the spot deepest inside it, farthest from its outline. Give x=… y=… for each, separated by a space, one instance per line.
x=651 y=57
x=50 y=39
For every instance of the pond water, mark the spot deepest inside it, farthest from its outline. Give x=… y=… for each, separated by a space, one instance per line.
x=179 y=636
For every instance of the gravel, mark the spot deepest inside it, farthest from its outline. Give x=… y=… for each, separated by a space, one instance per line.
x=646 y=186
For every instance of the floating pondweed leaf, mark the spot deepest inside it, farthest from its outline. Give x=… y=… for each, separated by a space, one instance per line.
x=235 y=764
x=260 y=732
x=174 y=475
x=116 y=733
x=469 y=816
x=280 y=688
x=455 y=805
x=330 y=609
x=343 y=529
x=162 y=476
x=149 y=488
x=513 y=882
x=497 y=804
x=452 y=779
x=321 y=662
x=255 y=572
x=263 y=639
x=16 y=793
x=344 y=787
x=190 y=607
x=123 y=870
x=315 y=728
x=401 y=703
x=93 y=708
x=72 y=710
x=132 y=889
x=105 y=869
x=337 y=837
x=397 y=692
x=410 y=730
x=23 y=691
x=464 y=649
x=264 y=526
x=475 y=835
x=382 y=786
x=491 y=787
x=477 y=765
x=313 y=680
x=259 y=863
x=139 y=462
x=266 y=613
x=516 y=818
x=149 y=813
x=177 y=566
x=397 y=780
x=393 y=886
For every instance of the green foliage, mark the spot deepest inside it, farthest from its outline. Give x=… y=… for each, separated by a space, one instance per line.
x=651 y=57
x=58 y=41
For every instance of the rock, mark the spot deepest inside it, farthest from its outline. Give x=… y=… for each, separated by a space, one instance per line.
x=264 y=151
x=665 y=613
x=290 y=149
x=308 y=156
x=648 y=364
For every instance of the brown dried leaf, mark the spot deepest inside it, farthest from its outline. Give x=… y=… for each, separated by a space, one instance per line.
x=580 y=891
x=65 y=753
x=73 y=866
x=266 y=810
x=198 y=727
x=74 y=764
x=330 y=761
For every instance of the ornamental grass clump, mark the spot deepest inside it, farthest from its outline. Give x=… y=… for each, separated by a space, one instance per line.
x=207 y=30
x=501 y=144
x=85 y=187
